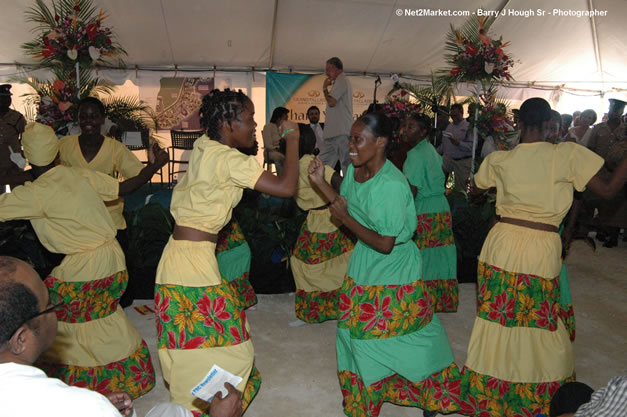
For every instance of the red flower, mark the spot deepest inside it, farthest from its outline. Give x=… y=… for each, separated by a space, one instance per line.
x=404 y=289
x=546 y=318
x=357 y=289
x=501 y=309
x=161 y=307
x=237 y=337
x=376 y=314
x=472 y=50
x=48 y=50
x=345 y=306
x=314 y=310
x=192 y=343
x=213 y=313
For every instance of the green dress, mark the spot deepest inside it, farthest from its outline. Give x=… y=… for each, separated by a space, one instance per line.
x=434 y=233
x=390 y=345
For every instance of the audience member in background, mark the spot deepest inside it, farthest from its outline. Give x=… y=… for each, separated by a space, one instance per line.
x=576 y=115
x=606 y=140
x=441 y=125
x=28 y=328
x=567 y=120
x=272 y=137
x=456 y=147
x=339 y=115
x=609 y=401
x=568 y=398
x=12 y=124
x=555 y=125
x=313 y=115
x=582 y=132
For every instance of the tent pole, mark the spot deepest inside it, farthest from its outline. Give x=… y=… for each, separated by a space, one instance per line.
x=273 y=40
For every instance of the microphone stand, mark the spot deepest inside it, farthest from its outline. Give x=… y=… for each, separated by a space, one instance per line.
x=377 y=83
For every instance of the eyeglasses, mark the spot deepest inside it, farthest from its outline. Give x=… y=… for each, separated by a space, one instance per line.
x=56 y=301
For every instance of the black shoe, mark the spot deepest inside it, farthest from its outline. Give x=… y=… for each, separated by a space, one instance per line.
x=426 y=413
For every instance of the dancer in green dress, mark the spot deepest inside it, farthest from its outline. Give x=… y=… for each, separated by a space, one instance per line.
x=434 y=233
x=390 y=345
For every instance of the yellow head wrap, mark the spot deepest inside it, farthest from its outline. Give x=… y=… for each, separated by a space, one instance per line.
x=40 y=144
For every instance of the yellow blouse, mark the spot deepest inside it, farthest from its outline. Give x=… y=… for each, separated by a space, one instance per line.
x=113 y=157
x=213 y=185
x=65 y=208
x=306 y=196
x=535 y=181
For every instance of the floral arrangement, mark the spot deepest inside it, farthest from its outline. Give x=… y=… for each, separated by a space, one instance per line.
x=71 y=39
x=73 y=32
x=55 y=105
x=492 y=121
x=401 y=108
x=475 y=56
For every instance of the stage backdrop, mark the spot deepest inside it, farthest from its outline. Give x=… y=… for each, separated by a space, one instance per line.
x=298 y=92
x=179 y=100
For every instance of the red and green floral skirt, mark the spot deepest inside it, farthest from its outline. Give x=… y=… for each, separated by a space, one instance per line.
x=386 y=328
x=86 y=302
x=440 y=392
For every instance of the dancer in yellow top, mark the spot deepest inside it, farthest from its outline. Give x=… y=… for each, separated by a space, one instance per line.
x=101 y=153
x=199 y=321
x=96 y=346
x=519 y=351
x=322 y=250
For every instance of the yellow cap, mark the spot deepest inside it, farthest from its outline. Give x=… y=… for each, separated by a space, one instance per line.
x=40 y=144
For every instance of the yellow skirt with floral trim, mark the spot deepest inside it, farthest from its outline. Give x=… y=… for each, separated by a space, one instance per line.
x=519 y=351
x=96 y=346
x=319 y=262
x=200 y=322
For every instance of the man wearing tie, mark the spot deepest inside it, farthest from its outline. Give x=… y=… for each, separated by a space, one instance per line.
x=313 y=115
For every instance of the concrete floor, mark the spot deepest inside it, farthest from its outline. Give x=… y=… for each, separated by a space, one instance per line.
x=298 y=363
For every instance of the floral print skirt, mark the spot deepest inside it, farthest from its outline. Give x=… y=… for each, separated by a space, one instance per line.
x=519 y=352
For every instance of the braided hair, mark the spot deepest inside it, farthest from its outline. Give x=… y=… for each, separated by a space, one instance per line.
x=219 y=107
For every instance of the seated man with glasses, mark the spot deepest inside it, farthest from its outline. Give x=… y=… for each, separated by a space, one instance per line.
x=28 y=326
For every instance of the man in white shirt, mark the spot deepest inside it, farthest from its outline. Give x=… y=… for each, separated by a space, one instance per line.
x=313 y=114
x=339 y=115
x=27 y=328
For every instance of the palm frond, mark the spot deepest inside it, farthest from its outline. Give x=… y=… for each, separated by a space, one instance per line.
x=40 y=14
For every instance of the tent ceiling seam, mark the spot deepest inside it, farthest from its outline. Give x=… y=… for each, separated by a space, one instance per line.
x=595 y=40
x=167 y=33
x=273 y=39
x=384 y=31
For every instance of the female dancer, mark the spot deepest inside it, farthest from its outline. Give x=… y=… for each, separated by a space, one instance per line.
x=519 y=352
x=199 y=319
x=434 y=234
x=322 y=250
x=390 y=345
x=100 y=153
x=96 y=346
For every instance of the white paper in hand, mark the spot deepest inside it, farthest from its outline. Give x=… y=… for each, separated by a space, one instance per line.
x=214 y=383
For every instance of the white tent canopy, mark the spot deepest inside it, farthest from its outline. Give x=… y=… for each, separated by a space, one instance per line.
x=367 y=34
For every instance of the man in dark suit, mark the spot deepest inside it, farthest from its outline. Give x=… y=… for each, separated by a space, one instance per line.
x=313 y=115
